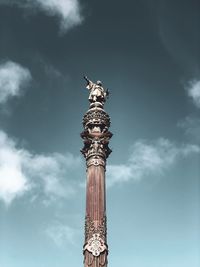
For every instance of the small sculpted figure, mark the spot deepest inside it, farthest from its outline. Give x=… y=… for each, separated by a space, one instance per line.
x=97 y=92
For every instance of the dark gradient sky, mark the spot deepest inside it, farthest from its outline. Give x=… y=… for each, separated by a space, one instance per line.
x=147 y=53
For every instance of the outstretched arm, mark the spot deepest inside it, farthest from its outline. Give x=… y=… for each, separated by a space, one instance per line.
x=89 y=83
x=86 y=78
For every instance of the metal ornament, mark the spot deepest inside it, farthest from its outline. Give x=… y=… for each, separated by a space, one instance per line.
x=95 y=245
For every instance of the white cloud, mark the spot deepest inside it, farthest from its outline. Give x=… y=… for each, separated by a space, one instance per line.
x=13 y=182
x=193 y=90
x=62 y=234
x=148 y=158
x=13 y=78
x=21 y=170
x=67 y=11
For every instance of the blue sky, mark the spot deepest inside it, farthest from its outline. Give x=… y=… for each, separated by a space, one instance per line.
x=147 y=54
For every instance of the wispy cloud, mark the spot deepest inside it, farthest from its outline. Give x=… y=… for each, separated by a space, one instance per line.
x=148 y=158
x=193 y=90
x=191 y=125
x=21 y=171
x=62 y=234
x=67 y=11
x=13 y=79
x=53 y=173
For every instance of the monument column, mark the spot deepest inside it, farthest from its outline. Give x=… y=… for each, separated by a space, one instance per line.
x=96 y=138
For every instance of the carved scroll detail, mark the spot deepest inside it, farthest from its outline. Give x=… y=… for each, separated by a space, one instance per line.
x=90 y=228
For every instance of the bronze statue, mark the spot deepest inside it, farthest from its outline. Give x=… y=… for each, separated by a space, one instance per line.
x=97 y=92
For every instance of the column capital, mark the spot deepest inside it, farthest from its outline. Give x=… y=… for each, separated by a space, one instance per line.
x=96 y=136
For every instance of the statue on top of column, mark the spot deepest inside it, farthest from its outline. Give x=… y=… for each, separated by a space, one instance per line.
x=97 y=92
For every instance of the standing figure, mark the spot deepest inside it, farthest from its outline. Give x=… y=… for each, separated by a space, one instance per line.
x=97 y=92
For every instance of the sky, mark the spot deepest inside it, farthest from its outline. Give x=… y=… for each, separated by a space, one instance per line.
x=146 y=52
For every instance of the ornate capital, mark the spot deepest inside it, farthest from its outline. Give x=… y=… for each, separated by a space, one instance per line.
x=96 y=136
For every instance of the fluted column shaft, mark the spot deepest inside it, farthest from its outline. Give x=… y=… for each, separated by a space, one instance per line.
x=95 y=214
x=95 y=193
